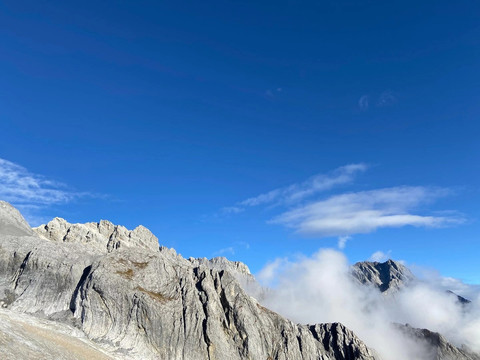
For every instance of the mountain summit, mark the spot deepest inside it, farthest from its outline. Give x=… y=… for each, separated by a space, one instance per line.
x=388 y=277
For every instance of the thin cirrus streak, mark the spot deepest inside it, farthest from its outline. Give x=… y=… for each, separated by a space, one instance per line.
x=299 y=191
x=32 y=191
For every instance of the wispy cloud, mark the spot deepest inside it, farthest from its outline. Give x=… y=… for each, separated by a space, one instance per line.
x=365 y=212
x=380 y=256
x=364 y=102
x=228 y=250
x=301 y=207
x=312 y=186
x=32 y=192
x=271 y=93
x=232 y=210
x=384 y=99
x=237 y=245
x=342 y=241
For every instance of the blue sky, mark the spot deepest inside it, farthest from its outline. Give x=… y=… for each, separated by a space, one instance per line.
x=253 y=130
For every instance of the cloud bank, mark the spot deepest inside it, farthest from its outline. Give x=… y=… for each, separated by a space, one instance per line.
x=320 y=289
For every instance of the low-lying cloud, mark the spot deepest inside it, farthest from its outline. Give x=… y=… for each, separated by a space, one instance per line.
x=320 y=289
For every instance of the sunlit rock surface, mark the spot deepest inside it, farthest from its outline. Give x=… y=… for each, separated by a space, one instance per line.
x=136 y=300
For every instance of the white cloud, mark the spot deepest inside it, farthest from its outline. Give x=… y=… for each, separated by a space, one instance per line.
x=363 y=102
x=245 y=244
x=270 y=271
x=18 y=185
x=365 y=212
x=31 y=192
x=319 y=289
x=380 y=256
x=227 y=250
x=270 y=93
x=232 y=250
x=432 y=276
x=232 y=210
x=386 y=98
x=311 y=186
x=342 y=241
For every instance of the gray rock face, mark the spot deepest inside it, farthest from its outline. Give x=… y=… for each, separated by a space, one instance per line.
x=12 y=222
x=222 y=263
x=459 y=298
x=389 y=276
x=138 y=300
x=441 y=349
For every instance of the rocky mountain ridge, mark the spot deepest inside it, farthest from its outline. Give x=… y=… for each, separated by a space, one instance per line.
x=101 y=237
x=141 y=301
x=131 y=299
x=389 y=276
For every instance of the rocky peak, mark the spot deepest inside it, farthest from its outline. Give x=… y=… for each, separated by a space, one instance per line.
x=388 y=276
x=12 y=222
x=460 y=299
x=102 y=236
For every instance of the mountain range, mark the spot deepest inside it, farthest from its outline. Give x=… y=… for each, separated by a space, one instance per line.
x=101 y=291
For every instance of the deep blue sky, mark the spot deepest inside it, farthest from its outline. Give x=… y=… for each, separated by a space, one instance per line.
x=166 y=113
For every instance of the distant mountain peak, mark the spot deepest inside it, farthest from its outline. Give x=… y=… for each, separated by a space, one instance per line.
x=388 y=276
x=459 y=298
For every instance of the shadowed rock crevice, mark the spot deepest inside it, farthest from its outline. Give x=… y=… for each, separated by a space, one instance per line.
x=73 y=300
x=20 y=270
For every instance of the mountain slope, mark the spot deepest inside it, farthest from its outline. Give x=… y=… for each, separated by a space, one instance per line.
x=27 y=337
x=148 y=302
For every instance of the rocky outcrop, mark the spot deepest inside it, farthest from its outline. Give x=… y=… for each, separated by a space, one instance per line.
x=146 y=302
x=389 y=276
x=98 y=237
x=222 y=263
